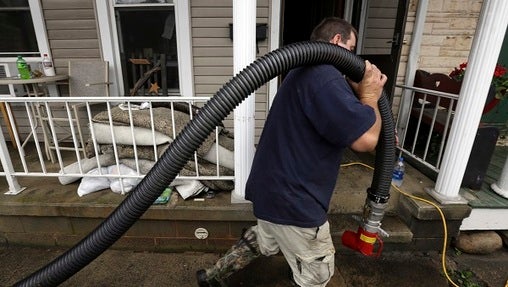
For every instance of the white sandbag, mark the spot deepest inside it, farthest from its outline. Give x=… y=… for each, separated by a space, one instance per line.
x=190 y=188
x=93 y=184
x=87 y=164
x=124 y=135
x=116 y=184
x=226 y=157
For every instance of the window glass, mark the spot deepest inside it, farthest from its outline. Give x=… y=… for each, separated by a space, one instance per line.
x=147 y=38
x=18 y=34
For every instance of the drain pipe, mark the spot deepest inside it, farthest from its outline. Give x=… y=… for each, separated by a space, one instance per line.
x=197 y=130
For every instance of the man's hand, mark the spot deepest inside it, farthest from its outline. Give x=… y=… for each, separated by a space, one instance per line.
x=371 y=86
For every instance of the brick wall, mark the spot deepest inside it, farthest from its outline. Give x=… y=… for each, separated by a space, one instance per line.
x=447 y=37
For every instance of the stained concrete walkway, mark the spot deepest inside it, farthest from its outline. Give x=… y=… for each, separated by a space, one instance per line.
x=128 y=268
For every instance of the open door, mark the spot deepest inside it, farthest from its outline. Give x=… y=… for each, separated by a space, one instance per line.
x=381 y=40
x=380 y=26
x=301 y=16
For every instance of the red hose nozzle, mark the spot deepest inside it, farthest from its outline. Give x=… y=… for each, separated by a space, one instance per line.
x=362 y=241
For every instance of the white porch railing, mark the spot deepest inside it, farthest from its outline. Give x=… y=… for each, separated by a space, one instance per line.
x=424 y=131
x=98 y=139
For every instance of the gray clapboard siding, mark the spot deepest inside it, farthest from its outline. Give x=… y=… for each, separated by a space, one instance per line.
x=212 y=42
x=74 y=53
x=76 y=43
x=72 y=31
x=200 y=71
x=67 y=4
x=213 y=51
x=211 y=62
x=212 y=80
x=71 y=24
x=72 y=34
x=64 y=14
x=204 y=32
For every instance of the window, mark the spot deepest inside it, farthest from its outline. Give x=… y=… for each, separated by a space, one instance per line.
x=18 y=33
x=137 y=34
x=148 y=33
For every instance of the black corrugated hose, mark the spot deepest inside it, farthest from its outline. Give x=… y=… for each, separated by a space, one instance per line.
x=194 y=134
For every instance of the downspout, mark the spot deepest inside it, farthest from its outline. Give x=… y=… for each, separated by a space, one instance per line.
x=244 y=53
x=482 y=61
x=412 y=66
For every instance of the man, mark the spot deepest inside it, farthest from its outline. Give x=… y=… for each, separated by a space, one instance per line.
x=314 y=117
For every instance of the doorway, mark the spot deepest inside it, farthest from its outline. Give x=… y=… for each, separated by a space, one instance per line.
x=380 y=26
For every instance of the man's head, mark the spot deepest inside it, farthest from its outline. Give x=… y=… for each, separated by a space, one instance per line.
x=336 y=31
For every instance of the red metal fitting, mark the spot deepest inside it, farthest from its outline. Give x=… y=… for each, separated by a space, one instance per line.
x=363 y=241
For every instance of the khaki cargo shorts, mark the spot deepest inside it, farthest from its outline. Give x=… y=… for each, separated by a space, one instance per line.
x=308 y=251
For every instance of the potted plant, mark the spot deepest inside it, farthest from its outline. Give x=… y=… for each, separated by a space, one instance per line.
x=498 y=88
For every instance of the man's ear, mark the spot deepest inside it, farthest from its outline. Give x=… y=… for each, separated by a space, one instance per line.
x=337 y=39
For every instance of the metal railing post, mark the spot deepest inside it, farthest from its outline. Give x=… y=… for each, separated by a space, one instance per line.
x=5 y=158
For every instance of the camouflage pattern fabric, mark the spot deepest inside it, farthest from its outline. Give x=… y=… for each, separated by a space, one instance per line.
x=236 y=258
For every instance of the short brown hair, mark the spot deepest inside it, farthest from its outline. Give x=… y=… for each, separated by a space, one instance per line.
x=329 y=27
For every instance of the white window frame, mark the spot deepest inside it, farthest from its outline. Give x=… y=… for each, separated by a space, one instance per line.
x=40 y=34
x=110 y=47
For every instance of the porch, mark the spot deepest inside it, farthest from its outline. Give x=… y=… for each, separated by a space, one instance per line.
x=47 y=213
x=50 y=213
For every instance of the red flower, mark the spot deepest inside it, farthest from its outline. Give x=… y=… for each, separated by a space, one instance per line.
x=499 y=79
x=500 y=71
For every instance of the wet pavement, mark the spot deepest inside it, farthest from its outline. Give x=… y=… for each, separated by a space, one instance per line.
x=129 y=268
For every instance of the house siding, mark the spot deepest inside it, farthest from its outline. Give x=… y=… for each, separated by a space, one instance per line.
x=447 y=37
x=72 y=31
x=212 y=51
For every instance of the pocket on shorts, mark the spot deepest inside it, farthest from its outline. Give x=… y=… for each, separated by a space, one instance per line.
x=316 y=270
x=322 y=239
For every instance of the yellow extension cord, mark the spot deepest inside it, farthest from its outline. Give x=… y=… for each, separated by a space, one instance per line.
x=443 y=220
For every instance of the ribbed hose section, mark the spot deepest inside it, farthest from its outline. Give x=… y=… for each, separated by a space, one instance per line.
x=183 y=147
x=385 y=155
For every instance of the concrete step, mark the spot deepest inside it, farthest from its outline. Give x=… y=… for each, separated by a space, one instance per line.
x=397 y=230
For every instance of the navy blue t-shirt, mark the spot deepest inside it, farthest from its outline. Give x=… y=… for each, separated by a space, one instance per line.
x=314 y=117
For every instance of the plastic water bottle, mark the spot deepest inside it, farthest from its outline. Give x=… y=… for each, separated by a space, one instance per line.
x=23 y=70
x=47 y=66
x=398 y=172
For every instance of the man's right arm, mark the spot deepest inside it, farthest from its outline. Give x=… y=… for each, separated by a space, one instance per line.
x=369 y=90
